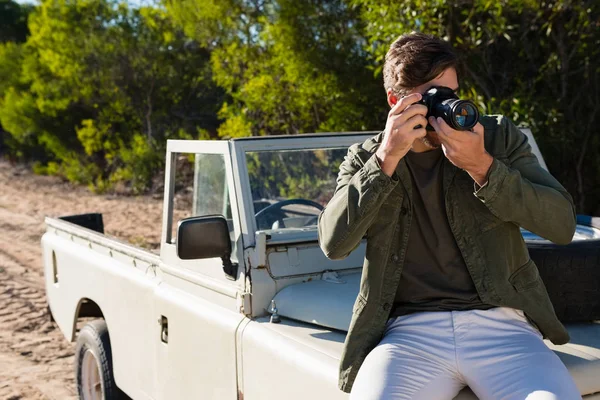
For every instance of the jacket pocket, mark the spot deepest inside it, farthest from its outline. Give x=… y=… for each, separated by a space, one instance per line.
x=359 y=305
x=525 y=277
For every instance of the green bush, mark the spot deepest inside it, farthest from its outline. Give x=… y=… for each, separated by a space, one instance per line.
x=97 y=87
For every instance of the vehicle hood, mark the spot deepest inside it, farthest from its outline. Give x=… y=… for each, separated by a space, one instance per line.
x=327 y=302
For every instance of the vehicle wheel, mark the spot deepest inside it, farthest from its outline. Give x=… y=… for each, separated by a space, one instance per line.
x=571 y=275
x=93 y=364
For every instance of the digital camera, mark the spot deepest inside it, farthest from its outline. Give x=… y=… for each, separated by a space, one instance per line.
x=441 y=101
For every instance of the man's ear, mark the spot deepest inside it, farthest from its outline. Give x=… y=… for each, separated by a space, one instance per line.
x=392 y=99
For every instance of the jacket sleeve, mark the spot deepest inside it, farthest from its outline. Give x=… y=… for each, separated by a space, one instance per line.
x=361 y=189
x=525 y=193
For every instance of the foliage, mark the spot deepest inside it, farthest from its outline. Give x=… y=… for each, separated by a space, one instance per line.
x=13 y=21
x=92 y=89
x=98 y=77
x=13 y=31
x=536 y=62
x=288 y=66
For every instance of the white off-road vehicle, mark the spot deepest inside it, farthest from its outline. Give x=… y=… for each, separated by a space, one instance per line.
x=241 y=303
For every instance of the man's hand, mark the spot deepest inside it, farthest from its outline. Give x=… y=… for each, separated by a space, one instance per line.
x=464 y=149
x=406 y=122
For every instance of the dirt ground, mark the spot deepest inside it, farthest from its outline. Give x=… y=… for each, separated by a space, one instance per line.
x=36 y=361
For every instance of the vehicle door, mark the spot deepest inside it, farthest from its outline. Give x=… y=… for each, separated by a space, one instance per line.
x=198 y=308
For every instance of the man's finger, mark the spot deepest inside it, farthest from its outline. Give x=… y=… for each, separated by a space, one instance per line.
x=419 y=133
x=416 y=120
x=478 y=128
x=445 y=139
x=445 y=149
x=411 y=111
x=450 y=133
x=436 y=125
x=405 y=102
x=445 y=128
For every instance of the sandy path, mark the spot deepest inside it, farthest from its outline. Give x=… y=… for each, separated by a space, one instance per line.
x=36 y=361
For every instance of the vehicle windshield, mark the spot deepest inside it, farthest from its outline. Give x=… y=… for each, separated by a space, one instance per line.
x=291 y=187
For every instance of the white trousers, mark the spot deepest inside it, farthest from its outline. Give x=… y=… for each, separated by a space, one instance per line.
x=433 y=355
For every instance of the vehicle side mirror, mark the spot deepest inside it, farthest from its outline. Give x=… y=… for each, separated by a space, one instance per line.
x=205 y=237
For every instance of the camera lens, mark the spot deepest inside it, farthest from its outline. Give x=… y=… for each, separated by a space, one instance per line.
x=466 y=115
x=463 y=114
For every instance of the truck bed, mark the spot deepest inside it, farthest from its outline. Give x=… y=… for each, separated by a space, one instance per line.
x=88 y=229
x=85 y=270
x=67 y=245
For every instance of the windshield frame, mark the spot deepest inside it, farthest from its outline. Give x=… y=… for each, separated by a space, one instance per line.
x=275 y=143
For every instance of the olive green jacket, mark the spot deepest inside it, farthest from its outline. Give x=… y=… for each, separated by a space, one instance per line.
x=485 y=224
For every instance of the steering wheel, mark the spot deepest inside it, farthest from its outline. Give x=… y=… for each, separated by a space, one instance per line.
x=275 y=208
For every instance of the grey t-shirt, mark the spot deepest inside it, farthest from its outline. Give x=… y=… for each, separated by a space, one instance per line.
x=434 y=276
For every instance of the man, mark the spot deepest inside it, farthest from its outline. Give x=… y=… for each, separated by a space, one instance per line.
x=449 y=296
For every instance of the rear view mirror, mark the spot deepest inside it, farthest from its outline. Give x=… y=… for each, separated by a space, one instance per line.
x=205 y=237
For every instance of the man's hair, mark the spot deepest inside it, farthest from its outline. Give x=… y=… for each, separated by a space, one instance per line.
x=414 y=59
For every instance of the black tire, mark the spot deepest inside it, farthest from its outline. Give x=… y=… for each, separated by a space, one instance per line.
x=571 y=274
x=94 y=337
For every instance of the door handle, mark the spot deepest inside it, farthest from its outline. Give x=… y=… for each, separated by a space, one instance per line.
x=164 y=329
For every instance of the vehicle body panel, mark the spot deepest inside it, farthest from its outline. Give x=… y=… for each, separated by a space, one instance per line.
x=111 y=274
x=199 y=359
x=281 y=360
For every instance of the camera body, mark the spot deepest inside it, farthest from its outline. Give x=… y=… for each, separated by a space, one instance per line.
x=441 y=101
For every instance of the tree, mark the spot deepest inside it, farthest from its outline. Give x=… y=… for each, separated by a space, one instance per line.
x=106 y=86
x=13 y=21
x=287 y=66
x=13 y=31
x=536 y=62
